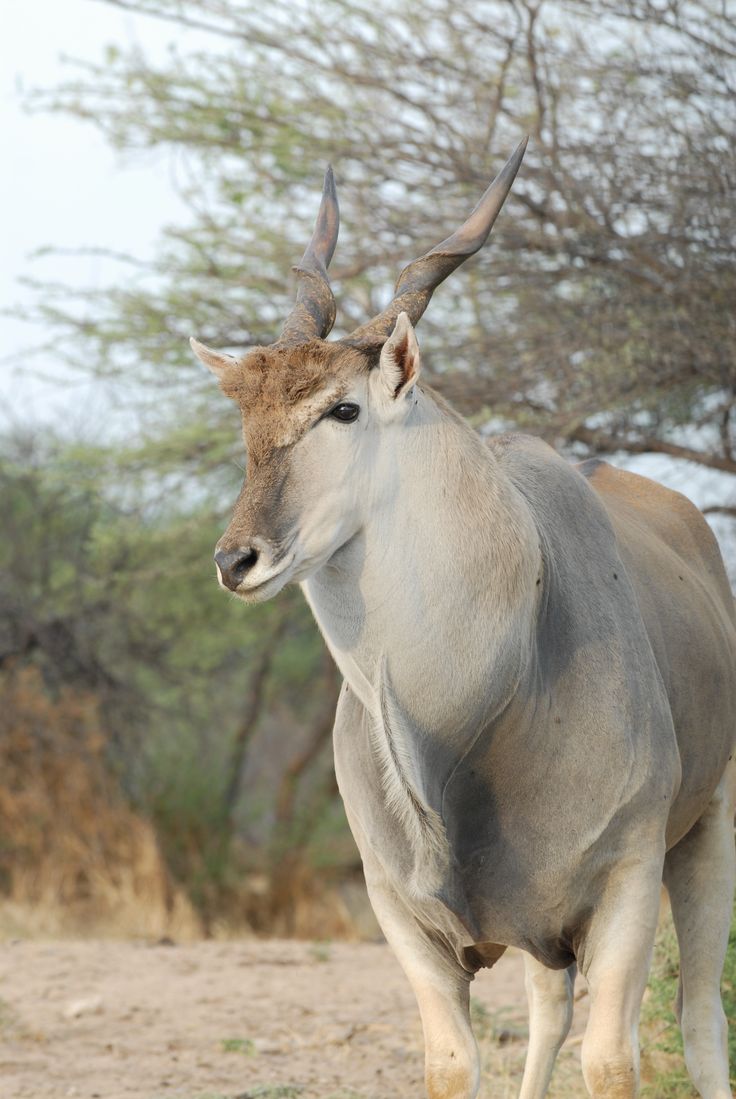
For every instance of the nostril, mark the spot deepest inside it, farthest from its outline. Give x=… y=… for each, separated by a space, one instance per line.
x=247 y=560
x=236 y=564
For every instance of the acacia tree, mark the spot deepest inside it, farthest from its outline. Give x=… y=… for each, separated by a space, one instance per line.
x=602 y=314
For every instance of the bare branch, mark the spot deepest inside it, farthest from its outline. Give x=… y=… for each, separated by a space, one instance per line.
x=601 y=442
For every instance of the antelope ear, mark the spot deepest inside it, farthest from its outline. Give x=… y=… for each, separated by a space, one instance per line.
x=399 y=363
x=216 y=361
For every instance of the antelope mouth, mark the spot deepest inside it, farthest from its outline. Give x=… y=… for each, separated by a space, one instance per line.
x=257 y=589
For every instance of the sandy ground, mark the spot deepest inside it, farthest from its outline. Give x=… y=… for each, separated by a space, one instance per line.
x=252 y=1020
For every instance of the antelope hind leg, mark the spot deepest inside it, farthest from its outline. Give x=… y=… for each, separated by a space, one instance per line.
x=442 y=990
x=615 y=957
x=550 y=996
x=699 y=875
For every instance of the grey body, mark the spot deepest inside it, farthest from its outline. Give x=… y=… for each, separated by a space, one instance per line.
x=542 y=794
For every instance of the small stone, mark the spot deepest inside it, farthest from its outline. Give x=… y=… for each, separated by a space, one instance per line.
x=263 y=1045
x=88 y=1005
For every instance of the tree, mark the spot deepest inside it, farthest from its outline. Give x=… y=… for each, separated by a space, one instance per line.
x=600 y=315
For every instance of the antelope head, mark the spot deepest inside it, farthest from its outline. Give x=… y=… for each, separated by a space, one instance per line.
x=322 y=420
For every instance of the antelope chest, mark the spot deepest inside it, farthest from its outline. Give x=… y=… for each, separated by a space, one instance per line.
x=505 y=845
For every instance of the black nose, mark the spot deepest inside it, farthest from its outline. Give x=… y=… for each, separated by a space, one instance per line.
x=235 y=565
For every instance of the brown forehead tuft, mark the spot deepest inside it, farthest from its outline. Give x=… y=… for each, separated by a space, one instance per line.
x=272 y=384
x=268 y=378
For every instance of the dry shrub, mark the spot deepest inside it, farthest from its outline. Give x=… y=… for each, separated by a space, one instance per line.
x=74 y=857
x=294 y=900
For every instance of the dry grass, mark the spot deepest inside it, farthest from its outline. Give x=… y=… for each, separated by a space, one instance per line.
x=74 y=858
x=77 y=860
x=502 y=1039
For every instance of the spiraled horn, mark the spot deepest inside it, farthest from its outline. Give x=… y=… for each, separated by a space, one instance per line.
x=313 y=314
x=422 y=276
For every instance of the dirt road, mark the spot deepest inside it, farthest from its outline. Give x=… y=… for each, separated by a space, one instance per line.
x=220 y=1020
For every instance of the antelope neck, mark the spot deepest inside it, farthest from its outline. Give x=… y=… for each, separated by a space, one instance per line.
x=443 y=569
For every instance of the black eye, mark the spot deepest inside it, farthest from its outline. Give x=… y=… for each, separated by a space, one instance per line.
x=345 y=412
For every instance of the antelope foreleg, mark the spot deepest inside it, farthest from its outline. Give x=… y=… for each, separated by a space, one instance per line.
x=442 y=990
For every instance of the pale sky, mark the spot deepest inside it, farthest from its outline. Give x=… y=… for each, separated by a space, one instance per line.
x=63 y=186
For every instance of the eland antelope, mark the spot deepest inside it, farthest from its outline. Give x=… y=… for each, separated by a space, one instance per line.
x=536 y=727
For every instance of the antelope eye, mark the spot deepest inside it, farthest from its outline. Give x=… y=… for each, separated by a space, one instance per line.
x=345 y=412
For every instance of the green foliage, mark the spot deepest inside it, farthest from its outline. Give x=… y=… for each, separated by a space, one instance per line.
x=728 y=987
x=239 y=1045
x=499 y=1027
x=320 y=952
x=482 y=1020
